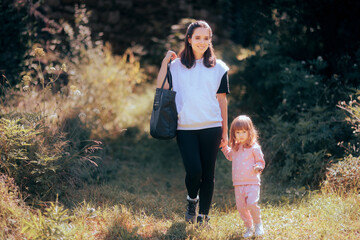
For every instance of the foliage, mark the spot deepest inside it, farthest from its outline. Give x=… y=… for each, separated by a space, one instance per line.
x=352 y=109
x=41 y=162
x=12 y=209
x=344 y=175
x=103 y=84
x=53 y=224
x=300 y=70
x=36 y=149
x=47 y=143
x=292 y=106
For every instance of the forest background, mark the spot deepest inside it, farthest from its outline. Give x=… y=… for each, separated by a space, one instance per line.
x=77 y=85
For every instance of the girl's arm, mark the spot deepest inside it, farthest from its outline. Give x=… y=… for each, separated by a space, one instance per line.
x=227 y=151
x=163 y=69
x=221 y=97
x=259 y=160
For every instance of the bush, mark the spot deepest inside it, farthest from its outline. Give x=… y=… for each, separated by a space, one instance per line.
x=102 y=90
x=344 y=176
x=41 y=162
x=291 y=85
x=295 y=112
x=45 y=136
x=100 y=84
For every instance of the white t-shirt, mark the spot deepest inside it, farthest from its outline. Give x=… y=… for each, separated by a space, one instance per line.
x=196 y=89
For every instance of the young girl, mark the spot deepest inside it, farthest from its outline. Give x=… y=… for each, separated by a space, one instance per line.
x=247 y=165
x=201 y=84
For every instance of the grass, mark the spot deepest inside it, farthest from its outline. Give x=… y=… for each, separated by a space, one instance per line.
x=155 y=208
x=145 y=199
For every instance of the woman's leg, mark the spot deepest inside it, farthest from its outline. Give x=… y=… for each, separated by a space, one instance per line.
x=189 y=148
x=209 y=141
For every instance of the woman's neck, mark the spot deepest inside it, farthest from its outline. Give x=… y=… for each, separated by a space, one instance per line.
x=198 y=57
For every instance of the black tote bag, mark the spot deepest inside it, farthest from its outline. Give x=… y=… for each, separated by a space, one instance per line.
x=164 y=116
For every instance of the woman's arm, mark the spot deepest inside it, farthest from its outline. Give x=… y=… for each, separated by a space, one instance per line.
x=163 y=69
x=221 y=97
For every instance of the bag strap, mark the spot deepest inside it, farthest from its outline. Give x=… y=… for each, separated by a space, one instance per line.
x=168 y=77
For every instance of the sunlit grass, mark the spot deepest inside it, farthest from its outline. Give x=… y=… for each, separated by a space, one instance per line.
x=154 y=216
x=151 y=205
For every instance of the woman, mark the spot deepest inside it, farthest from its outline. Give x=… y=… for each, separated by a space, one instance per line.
x=201 y=84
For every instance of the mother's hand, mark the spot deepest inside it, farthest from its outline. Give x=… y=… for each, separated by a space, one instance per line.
x=170 y=55
x=224 y=140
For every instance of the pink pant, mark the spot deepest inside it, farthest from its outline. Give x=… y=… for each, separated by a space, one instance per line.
x=247 y=198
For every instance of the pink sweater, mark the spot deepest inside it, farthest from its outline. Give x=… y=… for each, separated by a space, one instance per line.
x=243 y=163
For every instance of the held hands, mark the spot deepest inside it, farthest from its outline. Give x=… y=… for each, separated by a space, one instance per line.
x=224 y=140
x=226 y=153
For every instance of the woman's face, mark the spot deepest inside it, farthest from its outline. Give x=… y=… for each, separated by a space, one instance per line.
x=200 y=41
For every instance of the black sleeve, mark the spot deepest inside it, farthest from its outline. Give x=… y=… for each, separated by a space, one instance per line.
x=224 y=85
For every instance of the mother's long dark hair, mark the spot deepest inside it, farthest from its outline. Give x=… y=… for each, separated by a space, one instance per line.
x=187 y=57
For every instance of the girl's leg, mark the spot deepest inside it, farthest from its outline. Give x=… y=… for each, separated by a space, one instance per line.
x=209 y=141
x=240 y=196
x=189 y=148
x=253 y=193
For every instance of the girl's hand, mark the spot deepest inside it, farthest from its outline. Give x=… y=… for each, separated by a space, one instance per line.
x=227 y=152
x=170 y=55
x=258 y=169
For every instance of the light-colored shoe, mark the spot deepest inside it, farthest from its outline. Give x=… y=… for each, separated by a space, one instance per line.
x=259 y=230
x=249 y=232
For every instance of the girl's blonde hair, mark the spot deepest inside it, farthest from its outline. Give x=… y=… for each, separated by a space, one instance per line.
x=242 y=122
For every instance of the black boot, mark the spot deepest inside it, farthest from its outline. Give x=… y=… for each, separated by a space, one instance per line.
x=191 y=210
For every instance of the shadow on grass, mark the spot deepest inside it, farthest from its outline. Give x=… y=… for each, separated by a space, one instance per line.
x=117 y=232
x=176 y=231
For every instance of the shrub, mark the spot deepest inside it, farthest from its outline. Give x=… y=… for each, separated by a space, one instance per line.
x=352 y=108
x=103 y=88
x=12 y=209
x=299 y=127
x=100 y=84
x=41 y=162
x=344 y=176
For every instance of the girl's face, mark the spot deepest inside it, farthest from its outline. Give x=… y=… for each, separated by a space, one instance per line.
x=241 y=136
x=200 y=41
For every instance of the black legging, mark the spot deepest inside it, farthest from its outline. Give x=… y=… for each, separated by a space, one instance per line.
x=199 y=149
